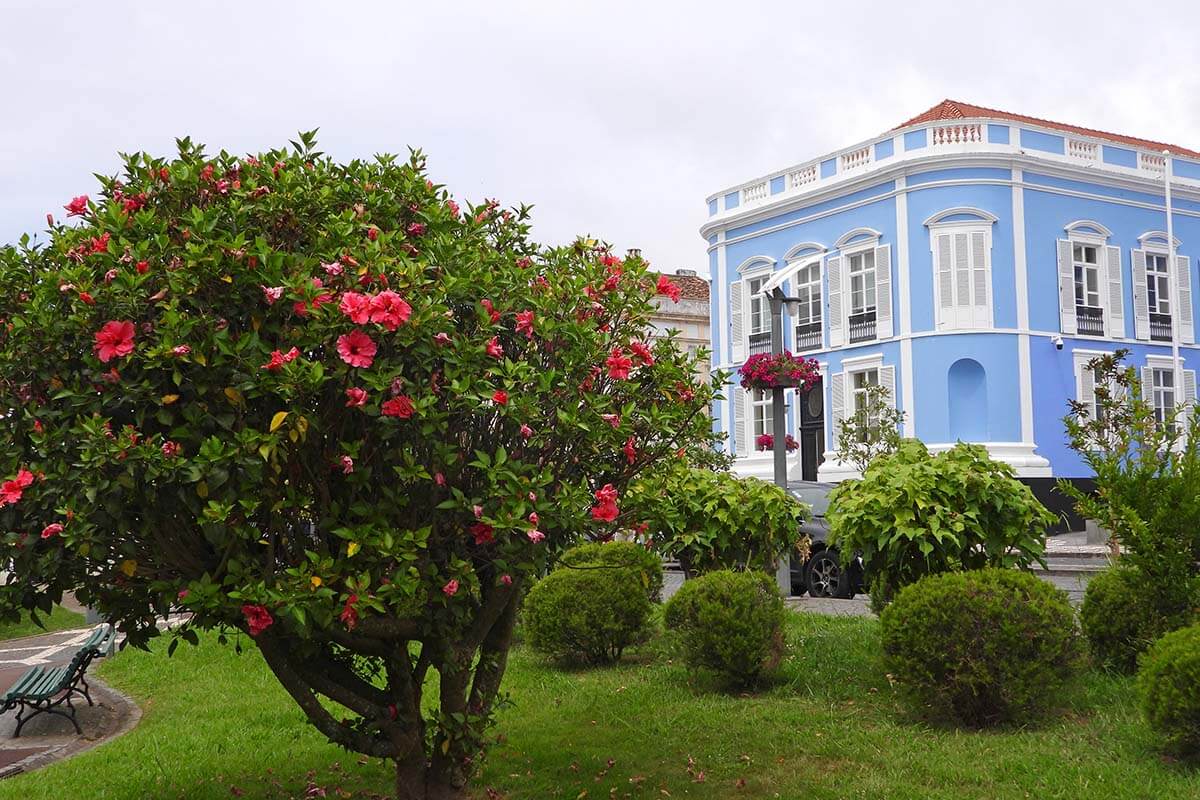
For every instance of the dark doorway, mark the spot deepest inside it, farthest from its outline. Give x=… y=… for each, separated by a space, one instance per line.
x=812 y=431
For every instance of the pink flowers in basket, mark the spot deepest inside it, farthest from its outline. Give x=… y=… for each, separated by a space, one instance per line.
x=767 y=442
x=769 y=371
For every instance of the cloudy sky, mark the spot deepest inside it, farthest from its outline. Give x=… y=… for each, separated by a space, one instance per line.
x=613 y=118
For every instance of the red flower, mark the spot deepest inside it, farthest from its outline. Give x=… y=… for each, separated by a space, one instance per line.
x=399 y=406
x=349 y=615
x=390 y=310
x=535 y=535
x=356 y=349
x=525 y=323
x=356 y=397
x=356 y=306
x=258 y=619
x=453 y=208
x=442 y=338
x=642 y=351
x=526 y=431
x=606 y=504
x=493 y=314
x=171 y=449
x=110 y=276
x=534 y=518
x=618 y=365
x=494 y=349
x=278 y=359
x=206 y=173
x=483 y=533
x=372 y=233
x=87 y=298
x=53 y=529
x=347 y=464
x=271 y=293
x=500 y=397
x=181 y=350
x=332 y=269
x=439 y=479
x=612 y=419
x=630 y=450
x=666 y=286
x=451 y=588
x=100 y=245
x=506 y=579
x=78 y=206
x=142 y=267
x=11 y=491
x=415 y=229
x=114 y=340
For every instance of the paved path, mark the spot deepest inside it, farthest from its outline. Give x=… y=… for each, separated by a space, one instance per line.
x=49 y=737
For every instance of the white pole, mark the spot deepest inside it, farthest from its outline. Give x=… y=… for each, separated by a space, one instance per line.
x=1173 y=271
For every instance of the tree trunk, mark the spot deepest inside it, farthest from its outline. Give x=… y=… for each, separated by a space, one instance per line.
x=415 y=781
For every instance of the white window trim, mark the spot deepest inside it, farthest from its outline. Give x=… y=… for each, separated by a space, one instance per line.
x=967 y=227
x=846 y=253
x=748 y=298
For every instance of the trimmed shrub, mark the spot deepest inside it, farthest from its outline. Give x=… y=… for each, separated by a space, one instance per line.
x=587 y=614
x=1118 y=619
x=1169 y=682
x=730 y=622
x=914 y=514
x=645 y=564
x=981 y=647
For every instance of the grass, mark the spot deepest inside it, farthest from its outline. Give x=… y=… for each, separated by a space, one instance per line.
x=60 y=619
x=217 y=725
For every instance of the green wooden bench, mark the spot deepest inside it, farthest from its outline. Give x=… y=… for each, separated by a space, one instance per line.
x=44 y=689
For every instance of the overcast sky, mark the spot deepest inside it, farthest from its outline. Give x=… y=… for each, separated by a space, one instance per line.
x=614 y=119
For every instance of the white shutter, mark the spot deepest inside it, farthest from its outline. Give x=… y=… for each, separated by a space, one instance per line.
x=837 y=403
x=1187 y=332
x=1148 y=385
x=737 y=321
x=887 y=379
x=883 y=292
x=1085 y=386
x=741 y=439
x=980 y=289
x=1189 y=398
x=1141 y=301
x=1066 y=287
x=837 y=325
x=962 y=281
x=1116 y=297
x=945 y=281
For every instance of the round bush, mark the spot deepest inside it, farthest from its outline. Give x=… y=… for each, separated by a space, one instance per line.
x=1169 y=682
x=1118 y=618
x=982 y=647
x=730 y=622
x=587 y=614
x=645 y=564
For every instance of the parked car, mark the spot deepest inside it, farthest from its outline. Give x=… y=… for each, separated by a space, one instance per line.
x=823 y=574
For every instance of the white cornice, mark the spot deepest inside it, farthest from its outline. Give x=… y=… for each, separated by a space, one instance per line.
x=917 y=161
x=798 y=251
x=849 y=236
x=984 y=216
x=1079 y=225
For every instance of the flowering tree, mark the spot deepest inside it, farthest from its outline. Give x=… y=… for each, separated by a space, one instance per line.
x=324 y=406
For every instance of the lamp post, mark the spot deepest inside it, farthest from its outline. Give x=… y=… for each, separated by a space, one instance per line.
x=783 y=574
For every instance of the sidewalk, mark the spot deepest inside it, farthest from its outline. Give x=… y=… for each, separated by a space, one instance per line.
x=49 y=737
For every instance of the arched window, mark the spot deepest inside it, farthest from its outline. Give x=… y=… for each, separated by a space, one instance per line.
x=961 y=242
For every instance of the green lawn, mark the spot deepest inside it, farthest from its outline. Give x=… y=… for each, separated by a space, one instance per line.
x=60 y=619
x=217 y=725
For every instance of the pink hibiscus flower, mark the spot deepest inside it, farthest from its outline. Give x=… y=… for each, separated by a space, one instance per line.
x=618 y=365
x=390 y=310
x=356 y=306
x=357 y=349
x=399 y=406
x=356 y=397
x=114 y=340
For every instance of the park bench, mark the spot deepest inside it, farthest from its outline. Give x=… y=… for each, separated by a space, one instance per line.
x=44 y=688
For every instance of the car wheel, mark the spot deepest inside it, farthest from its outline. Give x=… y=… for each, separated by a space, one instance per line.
x=825 y=574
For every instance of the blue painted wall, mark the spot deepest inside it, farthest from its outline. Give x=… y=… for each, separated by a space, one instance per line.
x=996 y=353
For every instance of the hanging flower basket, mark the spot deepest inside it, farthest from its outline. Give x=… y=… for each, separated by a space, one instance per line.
x=767 y=442
x=769 y=371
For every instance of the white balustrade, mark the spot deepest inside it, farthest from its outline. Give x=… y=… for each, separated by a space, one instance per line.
x=957 y=134
x=1084 y=151
x=856 y=158
x=756 y=192
x=1152 y=162
x=802 y=176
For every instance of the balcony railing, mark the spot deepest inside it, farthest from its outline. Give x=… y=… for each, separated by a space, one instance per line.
x=1160 y=327
x=862 y=326
x=1089 y=320
x=760 y=343
x=808 y=336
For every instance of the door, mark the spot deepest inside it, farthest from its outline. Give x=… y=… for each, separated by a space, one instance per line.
x=812 y=431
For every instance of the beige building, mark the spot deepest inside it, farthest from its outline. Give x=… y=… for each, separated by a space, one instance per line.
x=690 y=316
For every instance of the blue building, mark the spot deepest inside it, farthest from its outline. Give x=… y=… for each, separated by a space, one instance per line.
x=972 y=261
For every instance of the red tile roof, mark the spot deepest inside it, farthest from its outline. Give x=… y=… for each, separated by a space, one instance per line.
x=691 y=287
x=953 y=109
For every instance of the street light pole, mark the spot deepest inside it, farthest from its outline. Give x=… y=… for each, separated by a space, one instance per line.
x=783 y=574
